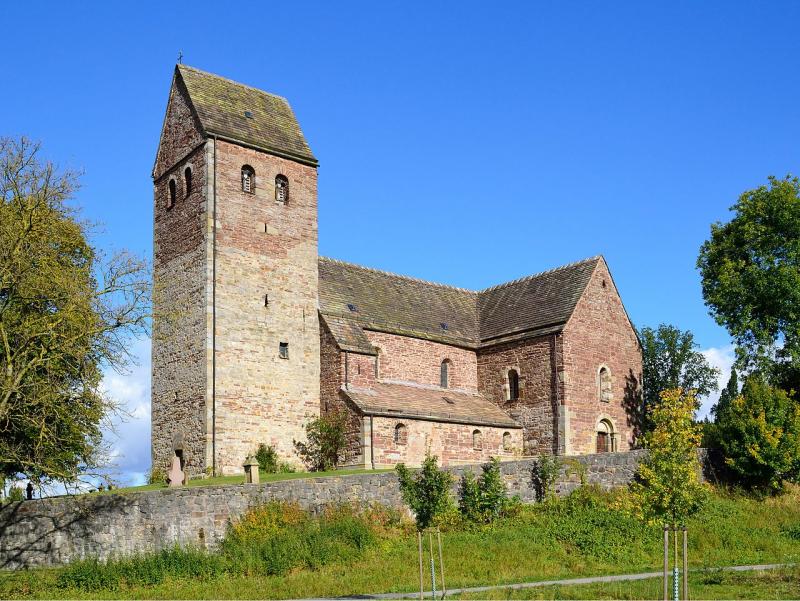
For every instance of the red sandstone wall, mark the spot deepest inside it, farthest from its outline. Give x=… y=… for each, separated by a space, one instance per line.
x=412 y=360
x=533 y=359
x=262 y=398
x=599 y=333
x=180 y=134
x=331 y=381
x=358 y=369
x=178 y=408
x=452 y=443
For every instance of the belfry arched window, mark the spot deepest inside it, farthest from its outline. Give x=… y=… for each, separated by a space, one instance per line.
x=513 y=385
x=248 y=179
x=172 y=194
x=444 y=374
x=282 y=189
x=187 y=180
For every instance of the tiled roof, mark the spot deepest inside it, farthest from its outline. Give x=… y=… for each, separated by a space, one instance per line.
x=400 y=400
x=244 y=114
x=534 y=303
x=394 y=303
x=372 y=299
x=349 y=334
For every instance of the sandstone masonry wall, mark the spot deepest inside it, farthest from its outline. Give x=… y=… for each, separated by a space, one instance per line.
x=599 y=334
x=59 y=530
x=452 y=443
x=179 y=358
x=265 y=250
x=407 y=359
x=535 y=362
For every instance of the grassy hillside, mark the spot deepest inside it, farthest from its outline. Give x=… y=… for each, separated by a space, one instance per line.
x=280 y=551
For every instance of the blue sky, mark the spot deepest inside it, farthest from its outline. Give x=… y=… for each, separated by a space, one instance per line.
x=460 y=142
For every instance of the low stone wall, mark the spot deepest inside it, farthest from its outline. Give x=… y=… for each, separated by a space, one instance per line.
x=59 y=530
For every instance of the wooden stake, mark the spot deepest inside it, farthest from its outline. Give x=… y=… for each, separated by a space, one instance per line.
x=421 y=582
x=433 y=567
x=666 y=562
x=441 y=562
x=675 y=563
x=685 y=566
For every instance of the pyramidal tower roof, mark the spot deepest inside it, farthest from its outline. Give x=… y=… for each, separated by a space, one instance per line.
x=245 y=115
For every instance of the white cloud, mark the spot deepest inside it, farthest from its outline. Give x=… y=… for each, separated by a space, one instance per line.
x=722 y=358
x=129 y=438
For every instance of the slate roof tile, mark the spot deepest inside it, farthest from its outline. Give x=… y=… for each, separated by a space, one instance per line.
x=534 y=305
x=238 y=112
x=402 y=400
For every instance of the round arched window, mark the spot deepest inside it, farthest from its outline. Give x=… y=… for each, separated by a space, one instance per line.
x=400 y=434
x=248 y=179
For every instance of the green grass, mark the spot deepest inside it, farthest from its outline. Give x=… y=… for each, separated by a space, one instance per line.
x=274 y=555
x=771 y=584
x=239 y=479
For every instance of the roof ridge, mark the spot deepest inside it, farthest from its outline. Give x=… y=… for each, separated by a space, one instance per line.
x=541 y=273
x=234 y=82
x=396 y=275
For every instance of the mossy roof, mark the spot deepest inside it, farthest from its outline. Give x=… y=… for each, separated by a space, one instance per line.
x=428 y=403
x=353 y=298
x=243 y=114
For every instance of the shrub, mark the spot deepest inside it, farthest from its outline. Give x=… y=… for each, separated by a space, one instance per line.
x=286 y=468
x=279 y=537
x=267 y=459
x=272 y=539
x=668 y=486
x=427 y=491
x=326 y=437
x=156 y=476
x=544 y=475
x=758 y=433
x=15 y=494
x=485 y=498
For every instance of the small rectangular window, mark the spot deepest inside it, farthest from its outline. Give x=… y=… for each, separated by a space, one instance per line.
x=283 y=350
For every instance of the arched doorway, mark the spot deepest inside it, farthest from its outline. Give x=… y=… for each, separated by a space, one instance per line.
x=606 y=441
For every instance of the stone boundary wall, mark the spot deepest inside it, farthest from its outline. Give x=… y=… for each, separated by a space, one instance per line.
x=59 y=530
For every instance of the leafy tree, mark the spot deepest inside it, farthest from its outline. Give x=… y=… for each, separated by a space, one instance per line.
x=66 y=312
x=326 y=439
x=759 y=435
x=668 y=486
x=750 y=269
x=728 y=394
x=670 y=360
x=426 y=491
x=485 y=498
x=544 y=475
x=267 y=458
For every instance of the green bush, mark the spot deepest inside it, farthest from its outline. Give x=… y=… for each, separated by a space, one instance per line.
x=15 y=494
x=758 y=433
x=544 y=475
x=272 y=539
x=146 y=569
x=484 y=499
x=326 y=438
x=267 y=458
x=426 y=492
x=156 y=476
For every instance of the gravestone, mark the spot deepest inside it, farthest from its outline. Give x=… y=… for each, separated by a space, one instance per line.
x=176 y=477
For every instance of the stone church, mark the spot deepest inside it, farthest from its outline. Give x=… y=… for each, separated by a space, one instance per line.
x=255 y=334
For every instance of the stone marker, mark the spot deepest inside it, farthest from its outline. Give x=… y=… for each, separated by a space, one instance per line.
x=251 y=470
x=176 y=476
